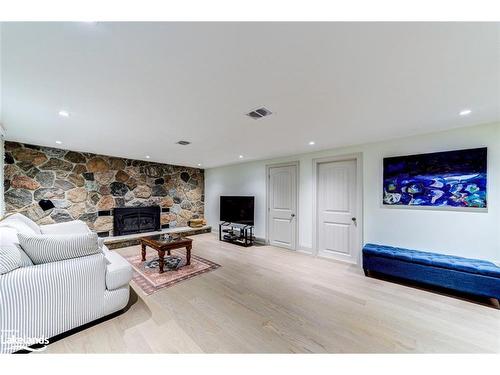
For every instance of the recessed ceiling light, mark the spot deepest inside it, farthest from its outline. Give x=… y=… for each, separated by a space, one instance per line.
x=147 y=156
x=312 y=143
x=63 y=113
x=465 y=112
x=199 y=165
x=241 y=156
x=58 y=142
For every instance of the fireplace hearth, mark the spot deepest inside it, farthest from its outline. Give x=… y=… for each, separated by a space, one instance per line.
x=129 y=220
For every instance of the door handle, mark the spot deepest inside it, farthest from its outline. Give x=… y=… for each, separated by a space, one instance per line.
x=353 y=220
x=292 y=216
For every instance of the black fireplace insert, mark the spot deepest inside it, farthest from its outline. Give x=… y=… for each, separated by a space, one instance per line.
x=128 y=220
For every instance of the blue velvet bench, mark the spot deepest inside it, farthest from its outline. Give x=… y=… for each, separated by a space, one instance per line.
x=473 y=276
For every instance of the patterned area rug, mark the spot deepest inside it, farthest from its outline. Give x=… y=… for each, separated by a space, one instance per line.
x=147 y=277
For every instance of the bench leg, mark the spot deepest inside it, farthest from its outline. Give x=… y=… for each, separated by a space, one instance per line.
x=367 y=272
x=494 y=302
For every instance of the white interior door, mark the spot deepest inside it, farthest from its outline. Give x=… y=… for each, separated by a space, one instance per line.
x=337 y=231
x=282 y=209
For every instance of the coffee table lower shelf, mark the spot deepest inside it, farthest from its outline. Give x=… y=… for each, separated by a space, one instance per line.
x=163 y=246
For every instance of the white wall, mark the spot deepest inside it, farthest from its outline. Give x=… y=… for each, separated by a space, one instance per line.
x=465 y=233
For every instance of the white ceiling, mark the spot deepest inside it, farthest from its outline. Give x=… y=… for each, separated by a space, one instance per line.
x=134 y=89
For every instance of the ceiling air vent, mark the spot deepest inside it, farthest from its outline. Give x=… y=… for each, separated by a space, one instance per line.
x=183 y=143
x=259 y=113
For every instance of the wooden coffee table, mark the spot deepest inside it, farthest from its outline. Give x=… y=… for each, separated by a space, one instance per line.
x=161 y=246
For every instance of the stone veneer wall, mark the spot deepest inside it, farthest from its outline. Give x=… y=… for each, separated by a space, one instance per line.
x=87 y=187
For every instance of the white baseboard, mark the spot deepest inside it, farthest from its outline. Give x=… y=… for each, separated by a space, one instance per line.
x=305 y=249
x=260 y=241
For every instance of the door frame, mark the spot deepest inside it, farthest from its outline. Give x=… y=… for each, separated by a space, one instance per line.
x=359 y=199
x=295 y=164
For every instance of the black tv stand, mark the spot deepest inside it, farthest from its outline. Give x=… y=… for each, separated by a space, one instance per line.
x=239 y=234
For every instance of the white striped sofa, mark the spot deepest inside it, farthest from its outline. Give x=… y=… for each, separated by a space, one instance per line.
x=45 y=300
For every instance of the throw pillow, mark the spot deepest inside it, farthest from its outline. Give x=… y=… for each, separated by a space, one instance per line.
x=8 y=238
x=53 y=248
x=10 y=259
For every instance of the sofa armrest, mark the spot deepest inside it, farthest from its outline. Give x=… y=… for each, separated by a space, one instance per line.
x=118 y=270
x=69 y=227
x=51 y=298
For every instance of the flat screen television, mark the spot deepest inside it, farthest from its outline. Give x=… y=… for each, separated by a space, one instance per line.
x=237 y=209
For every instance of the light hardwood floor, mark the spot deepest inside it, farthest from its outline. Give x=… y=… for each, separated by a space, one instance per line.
x=269 y=300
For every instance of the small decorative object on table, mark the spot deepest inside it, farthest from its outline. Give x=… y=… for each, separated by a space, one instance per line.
x=158 y=243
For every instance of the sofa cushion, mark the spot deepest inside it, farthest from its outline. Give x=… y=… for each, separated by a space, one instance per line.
x=52 y=248
x=8 y=239
x=68 y=227
x=22 y=223
x=469 y=265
